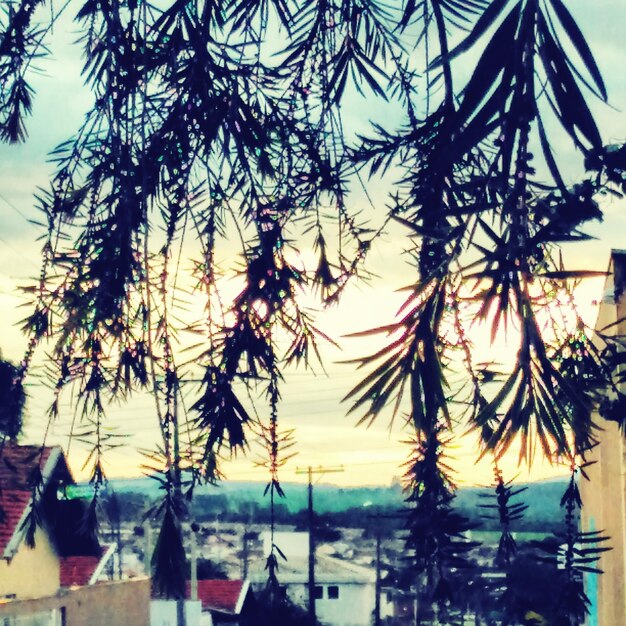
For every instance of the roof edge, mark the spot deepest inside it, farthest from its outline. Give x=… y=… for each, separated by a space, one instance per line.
x=18 y=533
x=101 y=564
x=242 y=596
x=20 y=528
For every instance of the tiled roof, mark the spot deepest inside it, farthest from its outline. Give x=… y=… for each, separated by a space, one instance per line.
x=20 y=466
x=77 y=570
x=328 y=570
x=220 y=595
x=13 y=502
x=17 y=464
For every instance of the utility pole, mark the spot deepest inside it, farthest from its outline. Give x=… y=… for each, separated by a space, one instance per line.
x=147 y=565
x=245 y=553
x=193 y=594
x=311 y=515
x=312 y=612
x=377 y=600
x=378 y=517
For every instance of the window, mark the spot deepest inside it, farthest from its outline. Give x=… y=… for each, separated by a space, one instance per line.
x=333 y=592
x=319 y=592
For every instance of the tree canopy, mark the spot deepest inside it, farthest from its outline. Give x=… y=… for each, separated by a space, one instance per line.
x=228 y=124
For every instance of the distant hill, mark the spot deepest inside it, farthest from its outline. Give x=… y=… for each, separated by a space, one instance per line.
x=328 y=498
x=542 y=498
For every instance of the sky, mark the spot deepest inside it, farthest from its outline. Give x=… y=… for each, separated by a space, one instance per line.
x=311 y=401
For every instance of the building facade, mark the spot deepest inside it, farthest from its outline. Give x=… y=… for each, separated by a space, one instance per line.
x=345 y=593
x=52 y=570
x=604 y=495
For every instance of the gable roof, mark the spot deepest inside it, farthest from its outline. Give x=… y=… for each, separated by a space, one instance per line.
x=81 y=570
x=77 y=570
x=19 y=463
x=13 y=505
x=19 y=469
x=328 y=571
x=223 y=596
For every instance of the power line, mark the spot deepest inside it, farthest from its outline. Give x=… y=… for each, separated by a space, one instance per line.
x=8 y=245
x=18 y=211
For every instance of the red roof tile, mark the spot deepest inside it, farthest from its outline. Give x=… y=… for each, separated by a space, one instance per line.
x=78 y=570
x=17 y=468
x=12 y=505
x=17 y=464
x=219 y=595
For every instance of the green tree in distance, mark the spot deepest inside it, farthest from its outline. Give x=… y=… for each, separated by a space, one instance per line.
x=12 y=400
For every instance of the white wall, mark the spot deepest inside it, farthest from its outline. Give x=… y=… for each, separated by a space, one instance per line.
x=353 y=607
x=163 y=613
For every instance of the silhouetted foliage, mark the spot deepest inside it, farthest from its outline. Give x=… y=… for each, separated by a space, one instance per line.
x=222 y=127
x=209 y=570
x=436 y=541
x=12 y=400
x=168 y=560
x=271 y=610
x=574 y=552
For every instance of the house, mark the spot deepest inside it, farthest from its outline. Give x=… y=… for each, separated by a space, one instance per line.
x=229 y=602
x=604 y=495
x=49 y=562
x=344 y=592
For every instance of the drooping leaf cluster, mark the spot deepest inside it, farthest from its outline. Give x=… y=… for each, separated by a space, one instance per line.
x=436 y=543
x=575 y=553
x=484 y=198
x=21 y=43
x=203 y=136
x=507 y=512
x=504 y=590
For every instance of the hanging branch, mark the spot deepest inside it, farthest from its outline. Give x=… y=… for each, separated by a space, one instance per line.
x=21 y=42
x=484 y=221
x=436 y=541
x=274 y=489
x=504 y=594
x=507 y=513
x=574 y=553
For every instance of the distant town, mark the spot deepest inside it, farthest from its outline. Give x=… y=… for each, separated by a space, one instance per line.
x=358 y=571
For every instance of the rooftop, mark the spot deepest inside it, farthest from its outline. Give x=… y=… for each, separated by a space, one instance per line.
x=328 y=570
x=13 y=505
x=18 y=465
x=224 y=596
x=78 y=570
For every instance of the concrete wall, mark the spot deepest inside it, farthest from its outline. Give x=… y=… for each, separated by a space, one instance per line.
x=165 y=612
x=353 y=607
x=117 y=603
x=604 y=510
x=604 y=495
x=31 y=573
